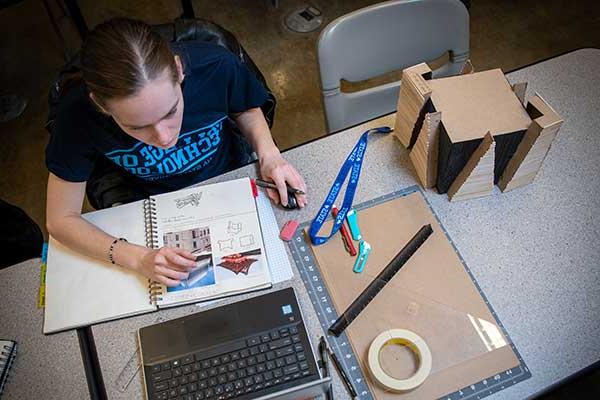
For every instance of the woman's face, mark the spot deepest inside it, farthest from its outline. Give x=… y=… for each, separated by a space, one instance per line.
x=154 y=114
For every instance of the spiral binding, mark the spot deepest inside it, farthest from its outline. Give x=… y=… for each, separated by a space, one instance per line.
x=151 y=220
x=154 y=289
x=7 y=356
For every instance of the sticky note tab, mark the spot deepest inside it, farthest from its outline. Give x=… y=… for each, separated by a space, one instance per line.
x=41 y=301
x=254 y=188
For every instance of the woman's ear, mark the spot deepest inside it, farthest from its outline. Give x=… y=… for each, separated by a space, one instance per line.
x=97 y=104
x=179 y=65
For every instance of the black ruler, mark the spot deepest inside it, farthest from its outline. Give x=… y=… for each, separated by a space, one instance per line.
x=380 y=281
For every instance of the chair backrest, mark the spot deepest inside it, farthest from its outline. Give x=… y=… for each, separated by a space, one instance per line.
x=184 y=30
x=386 y=37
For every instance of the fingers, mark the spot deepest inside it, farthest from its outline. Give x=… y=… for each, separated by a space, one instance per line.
x=279 y=181
x=174 y=258
x=171 y=258
x=283 y=174
x=166 y=265
x=171 y=273
x=296 y=181
x=167 y=281
x=184 y=253
x=273 y=195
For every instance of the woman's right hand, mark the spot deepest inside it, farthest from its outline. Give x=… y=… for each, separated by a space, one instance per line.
x=167 y=265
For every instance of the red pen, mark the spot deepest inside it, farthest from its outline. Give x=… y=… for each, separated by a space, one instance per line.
x=346 y=238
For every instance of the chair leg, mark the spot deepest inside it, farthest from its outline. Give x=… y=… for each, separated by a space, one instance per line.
x=78 y=20
x=188 y=9
x=56 y=29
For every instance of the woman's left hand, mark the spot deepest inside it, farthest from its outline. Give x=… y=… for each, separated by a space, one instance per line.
x=275 y=168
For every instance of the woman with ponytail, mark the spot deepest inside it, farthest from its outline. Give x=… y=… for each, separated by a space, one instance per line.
x=161 y=114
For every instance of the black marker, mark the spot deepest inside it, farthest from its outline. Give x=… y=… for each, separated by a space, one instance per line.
x=324 y=365
x=342 y=373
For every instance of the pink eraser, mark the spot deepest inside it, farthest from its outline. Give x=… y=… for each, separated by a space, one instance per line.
x=288 y=230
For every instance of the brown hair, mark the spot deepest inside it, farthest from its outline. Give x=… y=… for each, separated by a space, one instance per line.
x=120 y=56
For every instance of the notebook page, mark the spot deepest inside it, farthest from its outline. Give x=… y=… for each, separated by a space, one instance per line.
x=81 y=290
x=279 y=263
x=219 y=224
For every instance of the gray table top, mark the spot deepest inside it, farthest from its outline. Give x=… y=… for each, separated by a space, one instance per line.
x=48 y=367
x=534 y=251
x=537 y=255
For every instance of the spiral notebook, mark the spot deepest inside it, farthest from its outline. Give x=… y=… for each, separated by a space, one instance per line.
x=8 y=351
x=218 y=223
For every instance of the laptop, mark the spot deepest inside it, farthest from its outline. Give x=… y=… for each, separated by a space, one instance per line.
x=253 y=349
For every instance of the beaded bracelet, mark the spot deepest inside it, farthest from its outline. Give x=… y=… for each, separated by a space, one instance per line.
x=112 y=248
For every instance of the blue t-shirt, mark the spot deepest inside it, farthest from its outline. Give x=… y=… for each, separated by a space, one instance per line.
x=216 y=85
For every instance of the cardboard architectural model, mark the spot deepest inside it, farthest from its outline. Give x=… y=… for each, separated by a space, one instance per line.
x=468 y=132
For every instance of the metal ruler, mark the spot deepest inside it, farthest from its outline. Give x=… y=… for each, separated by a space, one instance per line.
x=132 y=367
x=323 y=304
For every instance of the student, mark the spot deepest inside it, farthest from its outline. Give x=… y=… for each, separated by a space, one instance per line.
x=162 y=115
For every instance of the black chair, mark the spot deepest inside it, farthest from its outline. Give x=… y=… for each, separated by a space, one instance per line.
x=70 y=8
x=107 y=185
x=185 y=30
x=20 y=237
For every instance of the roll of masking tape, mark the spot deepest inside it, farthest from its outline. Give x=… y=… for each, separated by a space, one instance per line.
x=409 y=339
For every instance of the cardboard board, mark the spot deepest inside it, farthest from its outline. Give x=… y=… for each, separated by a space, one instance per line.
x=477 y=177
x=475 y=104
x=520 y=89
x=452 y=158
x=424 y=154
x=434 y=278
x=527 y=160
x=470 y=106
x=414 y=93
x=467 y=68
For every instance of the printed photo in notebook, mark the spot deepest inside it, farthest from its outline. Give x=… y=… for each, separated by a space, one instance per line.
x=218 y=223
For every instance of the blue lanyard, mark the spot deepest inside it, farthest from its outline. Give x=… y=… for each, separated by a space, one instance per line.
x=351 y=166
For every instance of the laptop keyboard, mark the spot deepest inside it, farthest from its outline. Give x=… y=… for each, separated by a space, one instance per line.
x=232 y=370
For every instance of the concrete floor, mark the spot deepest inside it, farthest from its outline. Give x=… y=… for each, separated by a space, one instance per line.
x=505 y=34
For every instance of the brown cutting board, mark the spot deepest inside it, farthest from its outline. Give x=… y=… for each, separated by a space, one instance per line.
x=432 y=295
